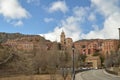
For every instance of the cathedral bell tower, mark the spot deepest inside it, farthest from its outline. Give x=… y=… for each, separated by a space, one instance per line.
x=62 y=38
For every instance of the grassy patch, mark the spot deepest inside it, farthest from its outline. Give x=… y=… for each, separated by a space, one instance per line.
x=34 y=77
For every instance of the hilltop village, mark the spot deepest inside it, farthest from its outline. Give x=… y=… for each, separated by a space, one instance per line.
x=93 y=48
x=34 y=49
x=88 y=47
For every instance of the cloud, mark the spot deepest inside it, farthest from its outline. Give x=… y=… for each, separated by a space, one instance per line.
x=73 y=27
x=96 y=33
x=92 y=17
x=53 y=36
x=18 y=23
x=30 y=1
x=12 y=10
x=48 y=19
x=36 y=2
x=58 y=6
x=111 y=12
x=107 y=8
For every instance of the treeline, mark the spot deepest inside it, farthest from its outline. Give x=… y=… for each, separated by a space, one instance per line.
x=41 y=61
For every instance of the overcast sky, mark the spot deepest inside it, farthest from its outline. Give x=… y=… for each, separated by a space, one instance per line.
x=80 y=19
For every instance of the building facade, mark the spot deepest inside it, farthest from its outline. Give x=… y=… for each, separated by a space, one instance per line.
x=103 y=46
x=93 y=62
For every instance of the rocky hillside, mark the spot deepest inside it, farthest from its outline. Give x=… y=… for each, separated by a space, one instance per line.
x=21 y=61
x=5 y=36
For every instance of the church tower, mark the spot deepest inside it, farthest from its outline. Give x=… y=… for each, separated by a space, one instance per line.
x=62 y=38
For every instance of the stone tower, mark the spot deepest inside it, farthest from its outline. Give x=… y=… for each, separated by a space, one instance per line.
x=62 y=38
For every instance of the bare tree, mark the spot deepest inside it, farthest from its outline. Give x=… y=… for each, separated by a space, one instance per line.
x=52 y=63
x=113 y=60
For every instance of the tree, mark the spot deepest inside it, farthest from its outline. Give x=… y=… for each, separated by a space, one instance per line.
x=64 y=59
x=81 y=59
x=53 y=62
x=113 y=60
x=40 y=61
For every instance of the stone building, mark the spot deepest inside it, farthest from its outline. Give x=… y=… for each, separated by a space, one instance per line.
x=62 y=38
x=65 y=42
x=90 y=47
x=103 y=46
x=93 y=62
x=109 y=46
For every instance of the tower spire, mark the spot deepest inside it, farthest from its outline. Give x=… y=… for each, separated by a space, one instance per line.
x=62 y=38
